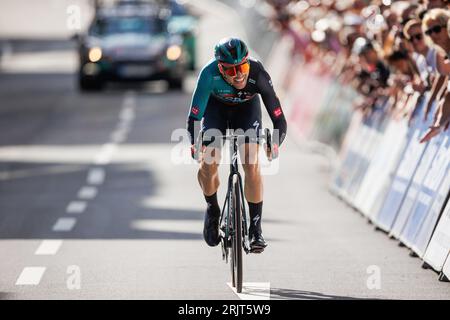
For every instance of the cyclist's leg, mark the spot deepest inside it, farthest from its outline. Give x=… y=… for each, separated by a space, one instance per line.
x=213 y=124
x=253 y=186
x=207 y=175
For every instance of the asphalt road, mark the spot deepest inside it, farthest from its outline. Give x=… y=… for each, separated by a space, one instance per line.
x=94 y=203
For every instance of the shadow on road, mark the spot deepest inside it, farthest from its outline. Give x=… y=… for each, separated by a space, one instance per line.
x=32 y=202
x=290 y=294
x=33 y=197
x=5 y=295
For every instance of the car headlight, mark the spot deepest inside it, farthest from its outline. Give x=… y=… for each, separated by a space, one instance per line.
x=95 y=54
x=173 y=52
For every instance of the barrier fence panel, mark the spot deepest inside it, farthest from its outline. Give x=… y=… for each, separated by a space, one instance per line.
x=395 y=142
x=376 y=125
x=439 y=246
x=402 y=178
x=351 y=161
x=341 y=173
x=446 y=268
x=422 y=239
x=422 y=213
x=414 y=187
x=362 y=158
x=400 y=141
x=382 y=164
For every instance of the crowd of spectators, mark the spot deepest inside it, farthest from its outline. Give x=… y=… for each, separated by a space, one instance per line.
x=393 y=53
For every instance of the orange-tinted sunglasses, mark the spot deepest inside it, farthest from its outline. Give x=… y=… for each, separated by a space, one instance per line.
x=231 y=70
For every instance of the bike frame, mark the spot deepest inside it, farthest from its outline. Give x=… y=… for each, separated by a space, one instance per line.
x=234 y=173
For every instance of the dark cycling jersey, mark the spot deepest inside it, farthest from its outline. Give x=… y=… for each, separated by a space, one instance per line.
x=211 y=83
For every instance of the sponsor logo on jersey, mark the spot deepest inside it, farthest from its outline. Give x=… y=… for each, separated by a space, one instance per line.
x=251 y=80
x=195 y=110
x=256 y=125
x=277 y=112
x=217 y=77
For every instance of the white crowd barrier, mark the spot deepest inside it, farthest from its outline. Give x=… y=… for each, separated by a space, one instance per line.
x=437 y=251
x=430 y=198
x=446 y=270
x=383 y=171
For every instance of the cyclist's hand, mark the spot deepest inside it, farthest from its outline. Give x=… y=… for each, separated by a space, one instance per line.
x=194 y=153
x=273 y=153
x=431 y=133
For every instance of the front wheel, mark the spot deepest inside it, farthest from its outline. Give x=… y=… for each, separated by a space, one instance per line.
x=236 y=247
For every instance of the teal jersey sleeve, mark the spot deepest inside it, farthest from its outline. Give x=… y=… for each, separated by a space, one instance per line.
x=201 y=94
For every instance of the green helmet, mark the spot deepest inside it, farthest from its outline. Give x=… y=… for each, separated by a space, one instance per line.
x=231 y=51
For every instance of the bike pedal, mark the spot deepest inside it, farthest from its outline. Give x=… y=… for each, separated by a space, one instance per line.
x=257 y=250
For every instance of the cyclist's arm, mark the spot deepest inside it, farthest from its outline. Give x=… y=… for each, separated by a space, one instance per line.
x=272 y=103
x=199 y=101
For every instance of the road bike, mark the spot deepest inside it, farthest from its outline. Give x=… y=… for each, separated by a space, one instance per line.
x=234 y=218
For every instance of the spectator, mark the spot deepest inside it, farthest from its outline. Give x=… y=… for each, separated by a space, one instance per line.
x=398 y=50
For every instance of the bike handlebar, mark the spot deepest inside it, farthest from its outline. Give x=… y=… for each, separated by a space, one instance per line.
x=271 y=149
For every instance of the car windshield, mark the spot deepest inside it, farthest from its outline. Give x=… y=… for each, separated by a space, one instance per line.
x=127 y=25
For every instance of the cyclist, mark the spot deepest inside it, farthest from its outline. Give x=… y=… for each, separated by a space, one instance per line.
x=226 y=96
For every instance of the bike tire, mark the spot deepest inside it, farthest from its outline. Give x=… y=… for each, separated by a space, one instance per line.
x=237 y=237
x=230 y=228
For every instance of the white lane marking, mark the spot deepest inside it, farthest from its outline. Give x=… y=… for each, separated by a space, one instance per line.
x=108 y=148
x=105 y=154
x=129 y=98
x=87 y=192
x=58 y=61
x=76 y=207
x=126 y=116
x=168 y=225
x=127 y=113
x=64 y=224
x=30 y=276
x=34 y=172
x=48 y=247
x=253 y=291
x=96 y=176
x=124 y=126
x=119 y=136
x=102 y=159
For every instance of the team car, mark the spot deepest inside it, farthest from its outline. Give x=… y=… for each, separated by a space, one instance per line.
x=130 y=42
